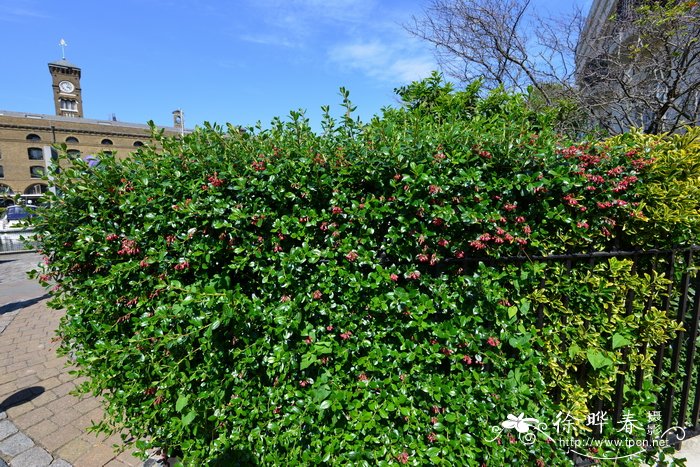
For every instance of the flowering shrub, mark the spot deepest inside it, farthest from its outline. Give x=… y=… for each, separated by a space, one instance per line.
x=281 y=297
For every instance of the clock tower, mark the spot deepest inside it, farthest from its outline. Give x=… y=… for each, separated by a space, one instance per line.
x=65 y=80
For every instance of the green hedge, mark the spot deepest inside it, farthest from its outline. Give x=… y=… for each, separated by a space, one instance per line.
x=282 y=296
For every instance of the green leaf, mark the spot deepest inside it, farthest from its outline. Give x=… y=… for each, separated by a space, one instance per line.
x=574 y=350
x=619 y=340
x=597 y=359
x=512 y=311
x=322 y=393
x=307 y=360
x=181 y=402
x=325 y=404
x=187 y=419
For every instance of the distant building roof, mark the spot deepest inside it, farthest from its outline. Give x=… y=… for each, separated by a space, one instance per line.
x=82 y=121
x=63 y=62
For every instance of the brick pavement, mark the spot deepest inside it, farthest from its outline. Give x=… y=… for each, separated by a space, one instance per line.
x=41 y=422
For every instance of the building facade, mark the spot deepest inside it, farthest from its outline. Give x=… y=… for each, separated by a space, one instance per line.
x=24 y=136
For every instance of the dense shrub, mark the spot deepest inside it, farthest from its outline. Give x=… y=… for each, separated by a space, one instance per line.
x=280 y=296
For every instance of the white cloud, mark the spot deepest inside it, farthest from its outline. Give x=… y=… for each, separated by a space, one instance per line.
x=16 y=12
x=386 y=61
x=268 y=39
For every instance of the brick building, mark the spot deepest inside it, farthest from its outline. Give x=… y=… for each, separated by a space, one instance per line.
x=25 y=136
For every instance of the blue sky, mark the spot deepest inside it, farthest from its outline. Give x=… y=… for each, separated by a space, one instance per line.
x=238 y=61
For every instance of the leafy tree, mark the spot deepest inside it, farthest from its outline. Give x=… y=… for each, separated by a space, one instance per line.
x=640 y=68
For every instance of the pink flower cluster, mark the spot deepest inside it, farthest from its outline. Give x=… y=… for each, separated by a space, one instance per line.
x=623 y=184
x=129 y=247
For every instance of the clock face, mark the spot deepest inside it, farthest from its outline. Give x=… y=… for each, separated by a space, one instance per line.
x=66 y=86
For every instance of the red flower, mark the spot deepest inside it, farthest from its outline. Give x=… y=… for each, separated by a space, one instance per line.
x=308 y=340
x=337 y=210
x=477 y=245
x=303 y=383
x=394 y=277
x=423 y=258
x=111 y=237
x=616 y=171
x=129 y=247
x=402 y=458
x=510 y=207
x=582 y=225
x=317 y=295
x=352 y=256
x=345 y=335
x=467 y=359
x=329 y=327
x=570 y=200
x=443 y=243
x=215 y=180
x=415 y=275
x=492 y=341
x=431 y=437
x=182 y=265
x=363 y=377
x=285 y=298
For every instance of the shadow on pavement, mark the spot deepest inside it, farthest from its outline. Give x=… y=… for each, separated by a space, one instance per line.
x=20 y=397
x=10 y=307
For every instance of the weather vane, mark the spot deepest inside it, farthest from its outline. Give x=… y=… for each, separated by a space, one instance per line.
x=63 y=45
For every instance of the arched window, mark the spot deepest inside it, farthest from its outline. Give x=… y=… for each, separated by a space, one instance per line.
x=72 y=140
x=37 y=171
x=36 y=189
x=68 y=105
x=35 y=154
x=138 y=144
x=33 y=137
x=107 y=142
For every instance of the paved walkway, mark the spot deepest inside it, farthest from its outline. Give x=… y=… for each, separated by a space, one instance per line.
x=41 y=423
